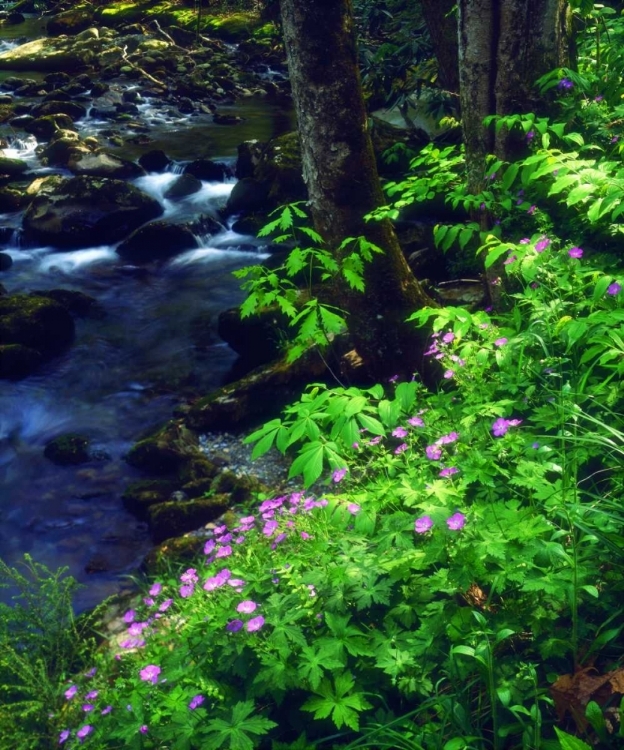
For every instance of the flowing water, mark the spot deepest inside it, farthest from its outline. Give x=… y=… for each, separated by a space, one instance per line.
x=153 y=341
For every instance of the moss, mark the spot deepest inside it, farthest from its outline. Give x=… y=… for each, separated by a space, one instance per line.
x=240 y=489
x=234 y=27
x=168 y=554
x=141 y=495
x=165 y=451
x=172 y=519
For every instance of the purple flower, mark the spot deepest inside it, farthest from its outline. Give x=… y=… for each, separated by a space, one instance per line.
x=150 y=673
x=224 y=551
x=448 y=374
x=565 y=84
x=148 y=601
x=530 y=135
x=416 y=422
x=270 y=527
x=190 y=576
x=155 y=589
x=70 y=692
x=501 y=341
x=614 y=289
x=452 y=437
x=433 y=452
x=234 y=626
x=247 y=607
x=535 y=446
x=143 y=729
x=354 y=508
x=375 y=440
x=449 y=471
x=196 y=701
x=305 y=535
x=165 y=605
x=448 y=338
x=84 y=731
x=542 y=245
x=575 y=252
x=64 y=736
x=526 y=240
x=401 y=448
x=87 y=707
x=393 y=379
x=91 y=672
x=615 y=139
x=255 y=624
x=339 y=475
x=91 y=695
x=187 y=590
x=456 y=521
x=500 y=427
x=106 y=710
x=531 y=210
x=209 y=546
x=129 y=616
x=423 y=524
x=399 y=432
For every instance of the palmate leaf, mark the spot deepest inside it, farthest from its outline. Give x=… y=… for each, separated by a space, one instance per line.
x=315 y=661
x=339 y=702
x=233 y=734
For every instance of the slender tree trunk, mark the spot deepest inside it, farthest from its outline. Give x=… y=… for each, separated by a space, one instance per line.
x=442 y=26
x=343 y=185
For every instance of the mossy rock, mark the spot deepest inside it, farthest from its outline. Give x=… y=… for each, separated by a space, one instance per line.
x=116 y=14
x=32 y=323
x=12 y=167
x=67 y=450
x=240 y=489
x=199 y=468
x=234 y=27
x=165 y=451
x=172 y=552
x=172 y=519
x=139 y=496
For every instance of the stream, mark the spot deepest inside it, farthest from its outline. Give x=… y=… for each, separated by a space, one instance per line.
x=153 y=342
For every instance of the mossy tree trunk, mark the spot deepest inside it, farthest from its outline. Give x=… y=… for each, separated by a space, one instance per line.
x=343 y=185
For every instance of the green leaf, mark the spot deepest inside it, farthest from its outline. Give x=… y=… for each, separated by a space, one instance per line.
x=569 y=742
x=579 y=194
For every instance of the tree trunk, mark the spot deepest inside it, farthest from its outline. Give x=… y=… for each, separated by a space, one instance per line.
x=442 y=26
x=343 y=185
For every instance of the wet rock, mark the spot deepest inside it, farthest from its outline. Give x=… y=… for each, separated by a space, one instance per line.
x=219 y=118
x=56 y=53
x=12 y=199
x=6 y=261
x=165 y=451
x=64 y=146
x=199 y=468
x=12 y=167
x=157 y=241
x=77 y=303
x=14 y=18
x=154 y=161
x=186 y=106
x=172 y=552
x=32 y=330
x=241 y=489
x=258 y=339
x=172 y=519
x=205 y=169
x=67 y=450
x=73 y=212
x=56 y=80
x=73 y=110
x=45 y=127
x=70 y=22
x=248 y=196
x=185 y=184
x=139 y=496
x=102 y=164
x=258 y=395
x=99 y=88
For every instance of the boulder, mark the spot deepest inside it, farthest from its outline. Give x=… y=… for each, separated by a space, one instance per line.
x=154 y=161
x=258 y=339
x=32 y=330
x=139 y=496
x=165 y=451
x=172 y=518
x=67 y=450
x=64 y=146
x=205 y=169
x=249 y=196
x=104 y=165
x=45 y=127
x=70 y=22
x=185 y=184
x=51 y=54
x=80 y=211
x=12 y=167
x=73 y=110
x=157 y=241
x=6 y=261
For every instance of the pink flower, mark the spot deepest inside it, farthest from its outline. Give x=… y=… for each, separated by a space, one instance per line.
x=456 y=521
x=575 y=252
x=501 y=341
x=449 y=471
x=70 y=692
x=129 y=616
x=401 y=448
x=448 y=374
x=433 y=452
x=542 y=245
x=196 y=701
x=255 y=624
x=423 y=524
x=354 y=508
x=150 y=673
x=247 y=607
x=155 y=589
x=416 y=422
x=224 y=551
x=399 y=432
x=339 y=475
x=209 y=546
x=614 y=289
x=84 y=731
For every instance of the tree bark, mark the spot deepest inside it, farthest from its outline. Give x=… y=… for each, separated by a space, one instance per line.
x=442 y=26
x=343 y=185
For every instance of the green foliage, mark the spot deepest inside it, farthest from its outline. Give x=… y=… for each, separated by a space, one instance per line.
x=41 y=644
x=292 y=287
